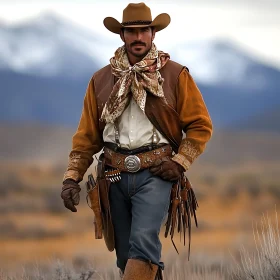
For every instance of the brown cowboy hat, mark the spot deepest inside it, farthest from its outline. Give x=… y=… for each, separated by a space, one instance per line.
x=137 y=15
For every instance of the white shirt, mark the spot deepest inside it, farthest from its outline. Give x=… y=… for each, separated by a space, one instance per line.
x=135 y=129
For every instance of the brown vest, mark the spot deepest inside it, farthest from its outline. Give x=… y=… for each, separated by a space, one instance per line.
x=163 y=116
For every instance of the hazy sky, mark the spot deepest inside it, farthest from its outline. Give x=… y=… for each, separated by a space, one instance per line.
x=253 y=24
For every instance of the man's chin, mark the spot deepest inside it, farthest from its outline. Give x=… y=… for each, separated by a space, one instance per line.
x=139 y=53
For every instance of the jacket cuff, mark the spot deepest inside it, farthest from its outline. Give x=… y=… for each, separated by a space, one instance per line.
x=183 y=161
x=187 y=153
x=77 y=166
x=72 y=174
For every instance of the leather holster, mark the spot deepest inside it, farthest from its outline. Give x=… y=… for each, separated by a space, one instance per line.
x=98 y=194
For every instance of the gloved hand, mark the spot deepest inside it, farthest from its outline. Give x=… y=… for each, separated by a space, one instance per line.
x=167 y=169
x=70 y=194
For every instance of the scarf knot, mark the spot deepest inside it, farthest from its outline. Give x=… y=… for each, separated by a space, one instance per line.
x=142 y=77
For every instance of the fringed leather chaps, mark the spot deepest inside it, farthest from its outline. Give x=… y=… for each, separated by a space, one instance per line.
x=182 y=208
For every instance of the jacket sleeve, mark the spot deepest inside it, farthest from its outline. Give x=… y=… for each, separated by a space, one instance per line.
x=87 y=140
x=194 y=118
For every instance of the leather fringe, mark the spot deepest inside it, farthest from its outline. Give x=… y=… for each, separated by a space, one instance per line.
x=183 y=207
x=159 y=275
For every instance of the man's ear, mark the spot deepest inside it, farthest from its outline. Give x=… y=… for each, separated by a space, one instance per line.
x=121 y=35
x=153 y=33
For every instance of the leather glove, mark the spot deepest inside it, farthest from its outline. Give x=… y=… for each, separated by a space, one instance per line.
x=167 y=169
x=70 y=194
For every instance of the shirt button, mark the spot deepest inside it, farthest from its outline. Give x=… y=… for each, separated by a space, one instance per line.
x=131 y=140
x=131 y=130
x=132 y=117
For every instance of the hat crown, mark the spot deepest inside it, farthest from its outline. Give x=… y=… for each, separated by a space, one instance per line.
x=137 y=15
x=136 y=12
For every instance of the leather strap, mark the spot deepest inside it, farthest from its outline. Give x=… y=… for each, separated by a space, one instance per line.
x=114 y=147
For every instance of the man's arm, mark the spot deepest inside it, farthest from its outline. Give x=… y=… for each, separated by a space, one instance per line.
x=87 y=140
x=195 y=120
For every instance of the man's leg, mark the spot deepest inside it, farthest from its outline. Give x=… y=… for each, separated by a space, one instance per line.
x=150 y=202
x=121 y=217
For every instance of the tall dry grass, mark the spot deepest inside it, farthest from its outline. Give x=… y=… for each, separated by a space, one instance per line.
x=261 y=264
x=264 y=263
x=62 y=272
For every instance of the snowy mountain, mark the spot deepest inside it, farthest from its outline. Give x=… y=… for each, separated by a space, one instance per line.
x=49 y=46
x=45 y=65
x=221 y=62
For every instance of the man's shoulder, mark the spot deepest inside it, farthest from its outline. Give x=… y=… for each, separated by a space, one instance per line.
x=172 y=70
x=175 y=65
x=101 y=72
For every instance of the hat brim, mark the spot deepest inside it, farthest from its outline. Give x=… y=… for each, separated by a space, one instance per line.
x=160 y=22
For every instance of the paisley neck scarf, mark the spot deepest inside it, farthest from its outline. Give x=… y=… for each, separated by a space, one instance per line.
x=142 y=77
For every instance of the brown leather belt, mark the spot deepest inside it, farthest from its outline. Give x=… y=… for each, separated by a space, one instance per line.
x=134 y=163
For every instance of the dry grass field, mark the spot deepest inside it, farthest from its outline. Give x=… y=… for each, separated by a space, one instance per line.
x=235 y=187
x=36 y=228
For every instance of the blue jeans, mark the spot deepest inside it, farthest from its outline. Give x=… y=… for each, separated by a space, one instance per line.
x=139 y=204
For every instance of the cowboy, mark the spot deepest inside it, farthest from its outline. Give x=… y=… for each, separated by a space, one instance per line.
x=137 y=109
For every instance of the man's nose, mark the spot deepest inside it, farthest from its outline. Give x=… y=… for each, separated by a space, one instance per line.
x=138 y=35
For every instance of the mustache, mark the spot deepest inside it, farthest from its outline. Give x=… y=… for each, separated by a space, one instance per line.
x=137 y=43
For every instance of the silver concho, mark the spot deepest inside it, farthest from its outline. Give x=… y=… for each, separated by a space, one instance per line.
x=132 y=163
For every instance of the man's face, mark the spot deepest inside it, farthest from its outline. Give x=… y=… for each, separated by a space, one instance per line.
x=138 y=41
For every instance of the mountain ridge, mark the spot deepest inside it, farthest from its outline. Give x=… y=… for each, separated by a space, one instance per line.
x=206 y=59
x=47 y=90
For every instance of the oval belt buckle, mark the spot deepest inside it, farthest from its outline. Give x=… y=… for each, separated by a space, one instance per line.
x=132 y=163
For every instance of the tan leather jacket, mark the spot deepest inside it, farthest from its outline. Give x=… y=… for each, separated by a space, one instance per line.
x=185 y=111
